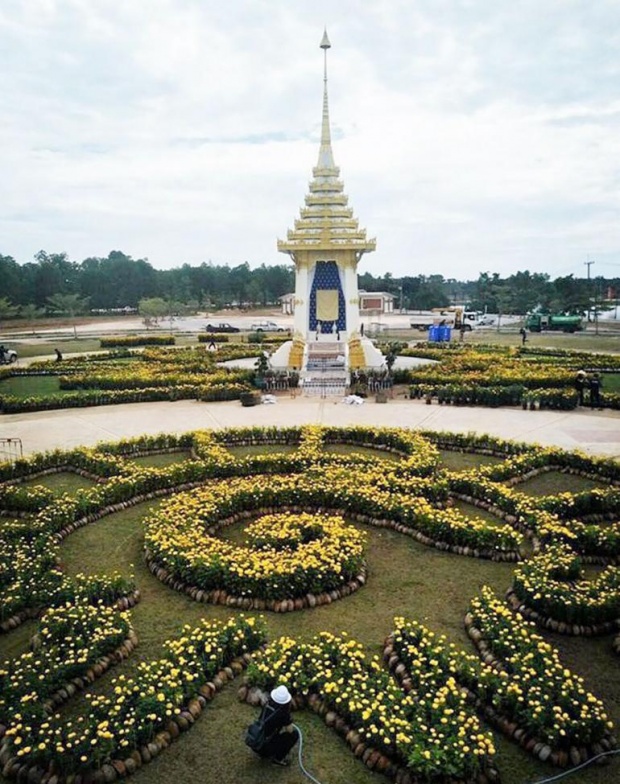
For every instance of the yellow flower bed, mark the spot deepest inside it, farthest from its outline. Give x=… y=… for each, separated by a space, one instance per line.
x=309 y=547
x=554 y=585
x=115 y=725
x=535 y=687
x=431 y=731
x=288 y=556
x=181 y=536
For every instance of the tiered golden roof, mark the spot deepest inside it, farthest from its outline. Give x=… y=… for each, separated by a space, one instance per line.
x=326 y=223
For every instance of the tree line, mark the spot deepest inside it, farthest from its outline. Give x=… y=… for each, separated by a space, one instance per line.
x=53 y=284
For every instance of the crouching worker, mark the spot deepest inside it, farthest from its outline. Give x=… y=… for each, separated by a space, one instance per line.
x=273 y=735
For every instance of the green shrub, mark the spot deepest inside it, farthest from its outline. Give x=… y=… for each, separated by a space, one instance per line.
x=137 y=340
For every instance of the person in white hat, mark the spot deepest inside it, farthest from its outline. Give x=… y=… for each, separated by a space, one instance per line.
x=581 y=382
x=275 y=733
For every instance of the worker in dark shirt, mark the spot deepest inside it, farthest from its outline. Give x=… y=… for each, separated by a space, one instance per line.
x=595 y=391
x=280 y=734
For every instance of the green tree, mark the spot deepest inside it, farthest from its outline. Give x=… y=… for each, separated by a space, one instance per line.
x=30 y=313
x=54 y=274
x=11 y=279
x=390 y=357
x=528 y=291
x=118 y=281
x=570 y=295
x=430 y=292
x=69 y=304
x=240 y=277
x=152 y=309
x=489 y=291
x=7 y=309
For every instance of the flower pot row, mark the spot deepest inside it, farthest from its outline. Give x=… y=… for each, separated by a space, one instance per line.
x=122 y=767
x=559 y=627
x=220 y=596
x=570 y=756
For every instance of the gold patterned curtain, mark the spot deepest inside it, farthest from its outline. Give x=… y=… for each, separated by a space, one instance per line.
x=327 y=304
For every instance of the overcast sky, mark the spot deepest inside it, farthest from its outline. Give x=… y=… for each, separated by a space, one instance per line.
x=472 y=135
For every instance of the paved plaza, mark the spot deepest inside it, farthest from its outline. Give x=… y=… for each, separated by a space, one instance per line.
x=594 y=432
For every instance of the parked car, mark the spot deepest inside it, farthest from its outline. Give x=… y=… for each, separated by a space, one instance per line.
x=8 y=356
x=223 y=326
x=266 y=326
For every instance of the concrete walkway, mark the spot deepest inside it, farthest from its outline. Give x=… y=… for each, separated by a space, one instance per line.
x=594 y=432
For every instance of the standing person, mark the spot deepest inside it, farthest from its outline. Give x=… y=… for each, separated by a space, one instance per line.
x=58 y=355
x=273 y=735
x=595 y=391
x=581 y=382
x=523 y=334
x=2 y=353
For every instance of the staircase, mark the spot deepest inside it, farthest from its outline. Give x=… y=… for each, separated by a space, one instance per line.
x=325 y=370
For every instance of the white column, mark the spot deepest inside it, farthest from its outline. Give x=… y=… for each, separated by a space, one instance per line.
x=302 y=301
x=351 y=296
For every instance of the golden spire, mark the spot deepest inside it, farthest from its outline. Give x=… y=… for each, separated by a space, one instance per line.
x=326 y=222
x=326 y=156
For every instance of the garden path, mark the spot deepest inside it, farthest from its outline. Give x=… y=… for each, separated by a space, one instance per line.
x=594 y=432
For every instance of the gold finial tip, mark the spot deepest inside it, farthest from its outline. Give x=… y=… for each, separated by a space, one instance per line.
x=325 y=44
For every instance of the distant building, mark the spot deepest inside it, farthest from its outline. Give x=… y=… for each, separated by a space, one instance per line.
x=376 y=302
x=288 y=304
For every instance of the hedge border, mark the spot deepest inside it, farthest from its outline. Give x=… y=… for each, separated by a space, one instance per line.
x=371 y=757
x=121 y=768
x=560 y=627
x=574 y=756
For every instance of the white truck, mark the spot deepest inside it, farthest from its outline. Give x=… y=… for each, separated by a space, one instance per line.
x=449 y=317
x=7 y=356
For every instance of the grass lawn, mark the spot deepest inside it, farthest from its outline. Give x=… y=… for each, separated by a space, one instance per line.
x=579 y=341
x=474 y=511
x=66 y=346
x=508 y=336
x=63 y=482
x=256 y=449
x=555 y=482
x=17 y=642
x=611 y=382
x=404 y=578
x=160 y=461
x=348 y=449
x=31 y=386
x=463 y=461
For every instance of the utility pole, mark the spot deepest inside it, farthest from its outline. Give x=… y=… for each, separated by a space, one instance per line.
x=588 y=265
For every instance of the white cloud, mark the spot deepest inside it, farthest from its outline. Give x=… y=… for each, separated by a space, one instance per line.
x=471 y=136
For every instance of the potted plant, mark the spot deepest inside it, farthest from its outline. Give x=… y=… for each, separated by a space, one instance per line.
x=249 y=398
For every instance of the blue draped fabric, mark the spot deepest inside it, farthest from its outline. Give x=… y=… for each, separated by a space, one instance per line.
x=326 y=276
